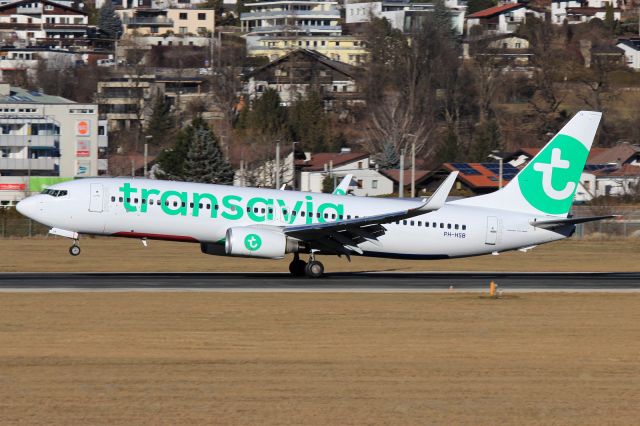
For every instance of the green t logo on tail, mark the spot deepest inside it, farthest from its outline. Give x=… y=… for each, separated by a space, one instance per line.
x=252 y=242
x=549 y=182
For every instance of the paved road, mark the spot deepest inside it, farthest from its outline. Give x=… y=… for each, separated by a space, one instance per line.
x=386 y=281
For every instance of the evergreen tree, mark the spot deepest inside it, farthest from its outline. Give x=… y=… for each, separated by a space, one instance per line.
x=171 y=162
x=205 y=162
x=609 y=20
x=442 y=18
x=388 y=158
x=449 y=150
x=267 y=115
x=161 y=123
x=309 y=124
x=109 y=21
x=487 y=140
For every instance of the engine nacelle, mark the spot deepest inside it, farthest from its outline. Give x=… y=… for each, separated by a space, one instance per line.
x=256 y=242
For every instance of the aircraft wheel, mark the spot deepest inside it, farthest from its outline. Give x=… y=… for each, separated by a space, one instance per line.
x=74 y=250
x=314 y=269
x=297 y=267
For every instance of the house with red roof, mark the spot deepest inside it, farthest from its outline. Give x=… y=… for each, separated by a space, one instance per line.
x=502 y=19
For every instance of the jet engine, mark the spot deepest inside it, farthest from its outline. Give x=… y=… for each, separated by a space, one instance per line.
x=258 y=242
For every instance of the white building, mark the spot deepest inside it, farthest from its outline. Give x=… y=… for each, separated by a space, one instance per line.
x=402 y=15
x=42 y=20
x=631 y=49
x=288 y=17
x=48 y=138
x=502 y=19
x=311 y=172
x=316 y=167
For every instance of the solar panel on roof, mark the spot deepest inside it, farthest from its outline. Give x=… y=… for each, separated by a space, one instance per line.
x=34 y=93
x=465 y=169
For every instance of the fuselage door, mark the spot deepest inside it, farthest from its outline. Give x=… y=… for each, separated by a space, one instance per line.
x=96 y=199
x=492 y=230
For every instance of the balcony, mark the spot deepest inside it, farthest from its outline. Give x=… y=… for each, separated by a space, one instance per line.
x=45 y=163
x=298 y=29
x=320 y=14
x=21 y=10
x=158 y=21
x=48 y=141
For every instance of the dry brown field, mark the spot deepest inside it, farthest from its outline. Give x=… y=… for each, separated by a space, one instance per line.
x=126 y=255
x=319 y=359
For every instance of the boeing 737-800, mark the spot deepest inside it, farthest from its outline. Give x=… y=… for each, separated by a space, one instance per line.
x=531 y=209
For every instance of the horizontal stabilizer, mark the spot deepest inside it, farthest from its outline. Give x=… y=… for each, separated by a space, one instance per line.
x=557 y=223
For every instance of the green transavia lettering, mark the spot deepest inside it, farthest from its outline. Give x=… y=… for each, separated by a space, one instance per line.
x=231 y=207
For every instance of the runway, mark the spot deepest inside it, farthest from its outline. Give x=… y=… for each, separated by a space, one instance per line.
x=337 y=282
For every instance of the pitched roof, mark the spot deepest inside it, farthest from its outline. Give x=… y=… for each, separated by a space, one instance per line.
x=496 y=10
x=477 y=175
x=341 y=67
x=622 y=152
x=394 y=175
x=625 y=170
x=318 y=160
x=45 y=2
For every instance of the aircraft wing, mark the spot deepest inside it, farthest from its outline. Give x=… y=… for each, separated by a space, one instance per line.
x=343 y=236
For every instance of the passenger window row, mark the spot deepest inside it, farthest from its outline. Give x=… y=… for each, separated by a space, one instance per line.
x=433 y=224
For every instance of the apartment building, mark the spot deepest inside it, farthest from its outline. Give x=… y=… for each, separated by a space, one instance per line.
x=158 y=22
x=127 y=100
x=300 y=17
x=42 y=20
x=347 y=49
x=403 y=15
x=46 y=139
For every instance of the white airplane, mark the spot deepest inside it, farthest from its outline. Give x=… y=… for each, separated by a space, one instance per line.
x=531 y=209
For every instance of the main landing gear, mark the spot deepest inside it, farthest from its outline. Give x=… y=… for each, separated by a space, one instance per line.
x=74 y=250
x=312 y=269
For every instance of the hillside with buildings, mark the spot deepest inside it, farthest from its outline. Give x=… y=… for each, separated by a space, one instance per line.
x=396 y=92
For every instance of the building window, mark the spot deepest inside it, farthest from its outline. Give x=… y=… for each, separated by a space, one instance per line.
x=183 y=16
x=183 y=30
x=202 y=16
x=359 y=164
x=374 y=184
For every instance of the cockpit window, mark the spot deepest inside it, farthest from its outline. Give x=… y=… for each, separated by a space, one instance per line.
x=55 y=192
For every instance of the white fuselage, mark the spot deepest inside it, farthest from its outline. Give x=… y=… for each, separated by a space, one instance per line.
x=203 y=213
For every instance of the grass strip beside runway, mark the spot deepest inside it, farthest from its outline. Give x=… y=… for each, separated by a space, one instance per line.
x=221 y=358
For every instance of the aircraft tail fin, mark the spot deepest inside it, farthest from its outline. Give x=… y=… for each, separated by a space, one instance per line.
x=547 y=184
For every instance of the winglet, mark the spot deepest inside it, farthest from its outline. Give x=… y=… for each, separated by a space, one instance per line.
x=344 y=185
x=439 y=197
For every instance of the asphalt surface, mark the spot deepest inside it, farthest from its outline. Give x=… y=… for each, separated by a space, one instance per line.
x=383 y=282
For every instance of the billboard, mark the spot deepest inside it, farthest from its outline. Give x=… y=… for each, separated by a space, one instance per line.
x=82 y=148
x=83 y=127
x=12 y=186
x=83 y=168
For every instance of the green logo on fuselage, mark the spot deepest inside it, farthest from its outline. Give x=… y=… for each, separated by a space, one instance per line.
x=549 y=182
x=230 y=207
x=252 y=242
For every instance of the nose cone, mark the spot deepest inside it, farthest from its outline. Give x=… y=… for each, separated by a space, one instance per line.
x=28 y=207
